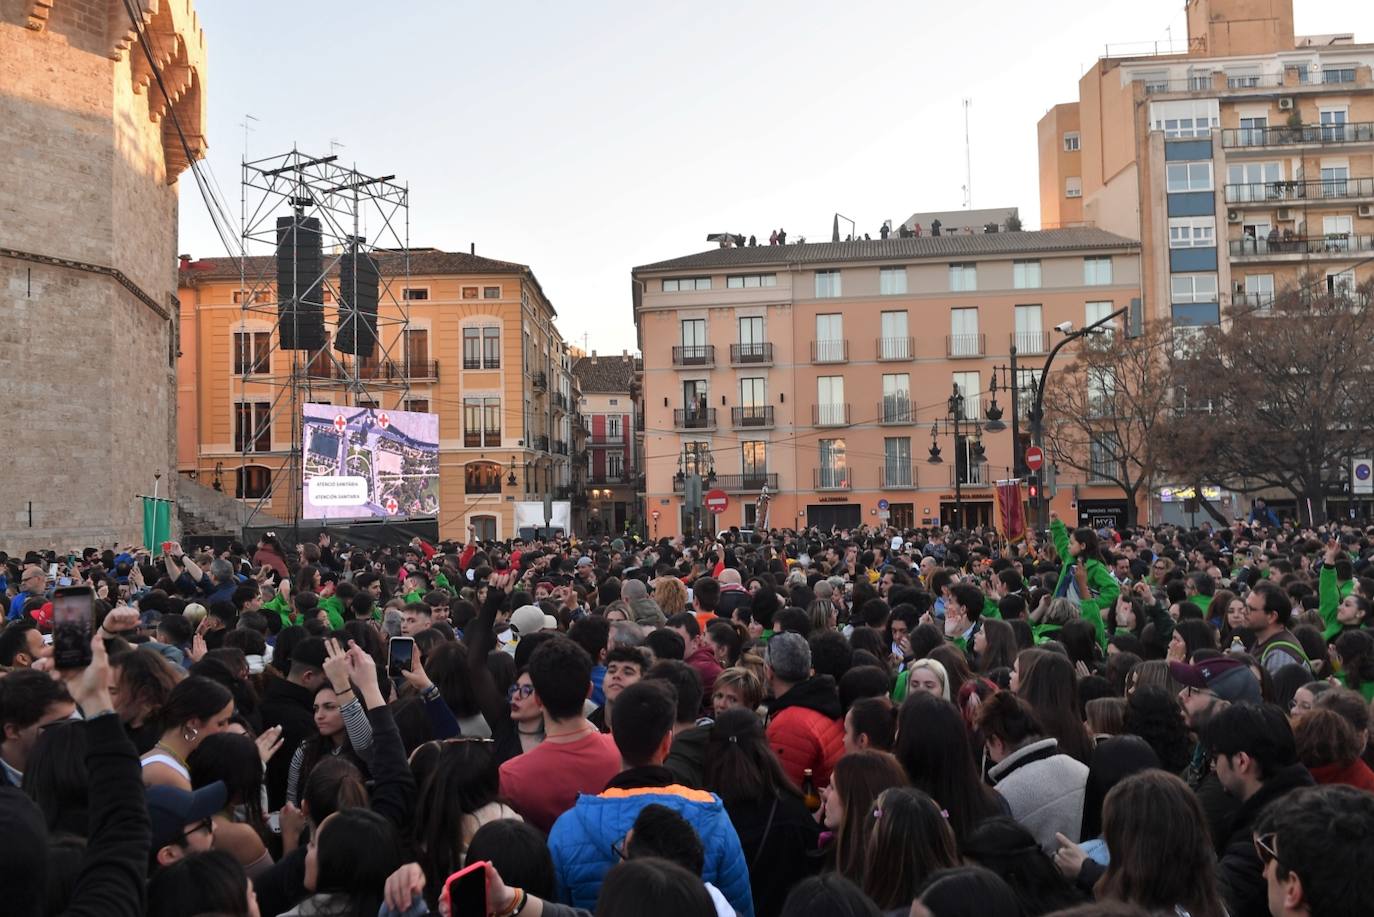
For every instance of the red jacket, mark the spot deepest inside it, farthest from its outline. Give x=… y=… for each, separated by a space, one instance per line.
x=703 y=659
x=1356 y=774
x=806 y=730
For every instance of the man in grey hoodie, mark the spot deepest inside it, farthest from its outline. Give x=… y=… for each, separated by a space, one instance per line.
x=643 y=610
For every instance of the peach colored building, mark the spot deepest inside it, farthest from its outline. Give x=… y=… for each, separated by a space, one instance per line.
x=1243 y=161
x=818 y=370
x=480 y=349
x=610 y=411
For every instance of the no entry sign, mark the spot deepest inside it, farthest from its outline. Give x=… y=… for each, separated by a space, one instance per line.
x=1035 y=457
x=717 y=501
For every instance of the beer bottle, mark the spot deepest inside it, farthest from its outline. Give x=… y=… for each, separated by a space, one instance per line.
x=809 y=794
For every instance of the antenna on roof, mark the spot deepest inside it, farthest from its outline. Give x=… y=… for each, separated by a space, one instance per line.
x=968 y=161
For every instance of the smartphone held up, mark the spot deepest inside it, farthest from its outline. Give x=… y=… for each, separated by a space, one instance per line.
x=73 y=623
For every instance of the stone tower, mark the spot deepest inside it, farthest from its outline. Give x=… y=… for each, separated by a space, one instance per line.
x=89 y=161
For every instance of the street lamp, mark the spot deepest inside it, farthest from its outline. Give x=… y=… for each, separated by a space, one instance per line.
x=693 y=470
x=1037 y=414
x=955 y=422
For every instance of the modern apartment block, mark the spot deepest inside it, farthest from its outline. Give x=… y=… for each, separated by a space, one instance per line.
x=1244 y=164
x=614 y=426
x=824 y=371
x=480 y=349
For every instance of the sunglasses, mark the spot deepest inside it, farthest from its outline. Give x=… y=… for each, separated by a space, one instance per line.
x=205 y=825
x=1264 y=849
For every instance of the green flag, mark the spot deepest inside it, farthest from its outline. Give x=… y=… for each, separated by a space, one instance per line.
x=157 y=522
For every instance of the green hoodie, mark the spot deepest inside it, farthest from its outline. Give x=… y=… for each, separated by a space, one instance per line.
x=334 y=610
x=1100 y=581
x=1330 y=594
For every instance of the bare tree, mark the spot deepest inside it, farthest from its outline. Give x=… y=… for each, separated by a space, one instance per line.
x=1103 y=412
x=1279 y=397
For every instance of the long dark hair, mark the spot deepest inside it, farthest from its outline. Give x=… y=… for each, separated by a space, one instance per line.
x=1005 y=846
x=1155 y=715
x=860 y=777
x=195 y=698
x=740 y=764
x=316 y=747
x=202 y=883
x=933 y=746
x=1001 y=645
x=1138 y=812
x=233 y=758
x=463 y=778
x=908 y=839
x=1049 y=685
x=1356 y=649
x=356 y=851
x=447 y=666
x=56 y=778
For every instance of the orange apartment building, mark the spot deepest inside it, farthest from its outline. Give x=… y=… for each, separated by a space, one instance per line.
x=818 y=370
x=1244 y=163
x=480 y=349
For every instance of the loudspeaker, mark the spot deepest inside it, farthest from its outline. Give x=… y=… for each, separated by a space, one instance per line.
x=300 y=304
x=359 y=282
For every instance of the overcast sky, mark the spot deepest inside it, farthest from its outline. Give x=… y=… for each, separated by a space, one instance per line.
x=583 y=139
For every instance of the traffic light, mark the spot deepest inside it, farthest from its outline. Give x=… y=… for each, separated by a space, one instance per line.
x=1033 y=486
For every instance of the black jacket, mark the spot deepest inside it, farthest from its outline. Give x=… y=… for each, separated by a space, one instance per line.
x=780 y=854
x=291 y=707
x=687 y=757
x=1239 y=874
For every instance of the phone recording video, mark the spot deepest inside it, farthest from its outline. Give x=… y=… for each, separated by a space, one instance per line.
x=467 y=890
x=399 y=651
x=73 y=622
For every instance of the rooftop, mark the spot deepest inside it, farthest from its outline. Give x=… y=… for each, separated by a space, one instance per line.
x=975 y=220
x=607 y=374
x=898 y=249
x=422 y=261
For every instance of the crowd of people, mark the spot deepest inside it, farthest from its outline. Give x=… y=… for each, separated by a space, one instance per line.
x=1156 y=721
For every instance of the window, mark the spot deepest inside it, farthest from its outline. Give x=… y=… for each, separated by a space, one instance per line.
x=964 y=339
x=1073 y=186
x=754 y=458
x=827 y=284
x=1101 y=390
x=694 y=455
x=1097 y=271
x=897 y=469
x=1186 y=288
x=419 y=405
x=750 y=281
x=491 y=292
x=415 y=294
x=1027 y=381
x=1184 y=117
x=1030 y=332
x=963 y=278
x=895 y=343
x=1334 y=178
x=1071 y=142
x=615 y=465
x=830 y=406
x=1096 y=311
x=1341 y=283
x=830 y=344
x=1333 y=124
x=469 y=292
x=482 y=478
x=481 y=422
x=751 y=392
x=1188 y=176
x=1102 y=457
x=1025 y=275
x=891 y=281
x=751 y=336
x=613 y=427
x=472 y=348
x=416 y=342
x=1338 y=74
x=1259 y=291
x=1242 y=80
x=1252 y=131
x=833 y=470
x=685 y=284
x=491 y=348
x=1254 y=181
x=252 y=482
x=252 y=352
x=970 y=386
x=1192 y=232
x=252 y=426
x=896 y=406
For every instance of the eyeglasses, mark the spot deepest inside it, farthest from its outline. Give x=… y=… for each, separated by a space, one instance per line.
x=207 y=825
x=1265 y=850
x=523 y=690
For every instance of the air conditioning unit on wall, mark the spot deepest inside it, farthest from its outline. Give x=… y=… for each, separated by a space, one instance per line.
x=1365 y=210
x=1286 y=103
x=1287 y=215
x=1233 y=216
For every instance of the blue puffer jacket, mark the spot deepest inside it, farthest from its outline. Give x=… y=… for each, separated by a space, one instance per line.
x=582 y=838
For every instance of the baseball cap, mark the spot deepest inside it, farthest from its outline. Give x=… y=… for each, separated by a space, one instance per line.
x=1228 y=678
x=584 y=561
x=528 y=619
x=171 y=809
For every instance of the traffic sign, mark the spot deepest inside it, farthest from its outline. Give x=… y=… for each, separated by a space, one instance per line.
x=655 y=514
x=1035 y=457
x=882 y=506
x=717 y=501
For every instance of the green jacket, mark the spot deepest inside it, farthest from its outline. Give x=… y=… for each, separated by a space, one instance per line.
x=1330 y=594
x=334 y=609
x=279 y=606
x=1102 y=586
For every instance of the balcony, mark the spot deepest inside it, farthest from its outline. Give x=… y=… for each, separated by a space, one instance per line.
x=751 y=354
x=560 y=401
x=539 y=380
x=748 y=482
x=893 y=411
x=973 y=474
x=1276 y=192
x=412 y=370
x=1258 y=138
x=476 y=439
x=752 y=417
x=607 y=477
x=898 y=476
x=830 y=351
x=1031 y=342
x=963 y=346
x=560 y=447
x=832 y=479
x=692 y=355
x=607 y=438
x=1336 y=246
x=1253 y=302
x=694 y=419
x=898 y=348
x=541 y=442
x=830 y=415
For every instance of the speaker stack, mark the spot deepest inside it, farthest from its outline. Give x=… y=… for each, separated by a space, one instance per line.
x=359 y=282
x=300 y=303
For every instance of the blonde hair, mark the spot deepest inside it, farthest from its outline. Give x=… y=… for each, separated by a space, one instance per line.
x=935 y=666
x=670 y=595
x=745 y=682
